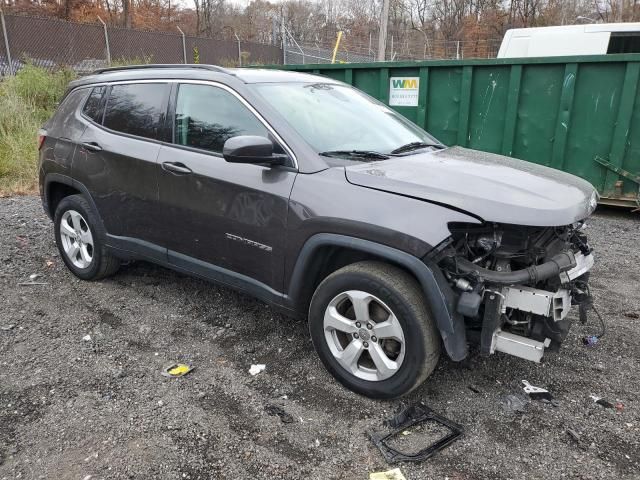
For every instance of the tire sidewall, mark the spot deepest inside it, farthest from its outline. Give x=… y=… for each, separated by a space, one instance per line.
x=404 y=380
x=79 y=204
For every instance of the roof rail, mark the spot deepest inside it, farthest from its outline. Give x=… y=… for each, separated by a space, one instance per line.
x=213 y=68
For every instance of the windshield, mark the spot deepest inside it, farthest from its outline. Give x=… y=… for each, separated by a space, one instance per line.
x=335 y=118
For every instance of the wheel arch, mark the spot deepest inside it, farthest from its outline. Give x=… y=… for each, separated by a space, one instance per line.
x=57 y=187
x=324 y=253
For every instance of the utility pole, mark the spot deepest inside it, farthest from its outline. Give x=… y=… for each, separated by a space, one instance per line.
x=382 y=39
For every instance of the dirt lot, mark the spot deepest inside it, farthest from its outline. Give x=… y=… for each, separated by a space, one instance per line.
x=99 y=408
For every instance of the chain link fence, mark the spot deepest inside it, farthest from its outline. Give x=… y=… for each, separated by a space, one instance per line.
x=348 y=52
x=303 y=53
x=52 y=43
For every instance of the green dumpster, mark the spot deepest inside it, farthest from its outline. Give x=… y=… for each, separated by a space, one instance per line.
x=577 y=114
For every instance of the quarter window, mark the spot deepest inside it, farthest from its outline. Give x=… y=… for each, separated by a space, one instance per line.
x=624 y=42
x=93 y=108
x=137 y=109
x=207 y=116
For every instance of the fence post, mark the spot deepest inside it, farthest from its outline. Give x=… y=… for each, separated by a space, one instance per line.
x=6 y=42
x=284 y=41
x=106 y=40
x=184 y=45
x=239 y=49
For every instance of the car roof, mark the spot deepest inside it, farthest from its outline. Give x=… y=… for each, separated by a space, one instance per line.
x=196 y=72
x=264 y=75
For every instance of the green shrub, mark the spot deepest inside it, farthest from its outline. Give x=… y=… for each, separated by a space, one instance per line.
x=41 y=88
x=26 y=101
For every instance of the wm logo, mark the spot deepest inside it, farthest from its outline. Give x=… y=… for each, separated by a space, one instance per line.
x=406 y=83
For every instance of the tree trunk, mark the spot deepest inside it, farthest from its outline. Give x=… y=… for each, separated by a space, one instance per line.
x=126 y=13
x=68 y=8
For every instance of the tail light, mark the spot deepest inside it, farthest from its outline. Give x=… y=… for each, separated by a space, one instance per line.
x=42 y=136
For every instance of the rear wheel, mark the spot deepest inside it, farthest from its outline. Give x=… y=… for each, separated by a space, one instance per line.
x=79 y=239
x=373 y=331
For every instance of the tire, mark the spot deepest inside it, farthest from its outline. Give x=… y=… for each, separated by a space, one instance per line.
x=376 y=289
x=80 y=239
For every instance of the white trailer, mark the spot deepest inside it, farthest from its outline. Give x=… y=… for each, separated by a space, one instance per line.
x=593 y=39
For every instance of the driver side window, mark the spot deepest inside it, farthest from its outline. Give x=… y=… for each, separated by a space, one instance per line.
x=207 y=116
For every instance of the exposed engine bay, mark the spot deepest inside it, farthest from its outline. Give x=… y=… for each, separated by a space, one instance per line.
x=515 y=284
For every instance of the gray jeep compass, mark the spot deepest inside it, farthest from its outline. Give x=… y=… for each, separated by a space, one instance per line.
x=321 y=201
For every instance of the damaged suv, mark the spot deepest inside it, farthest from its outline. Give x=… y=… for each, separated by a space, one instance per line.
x=321 y=201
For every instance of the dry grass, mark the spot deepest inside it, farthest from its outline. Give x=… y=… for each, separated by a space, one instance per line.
x=26 y=101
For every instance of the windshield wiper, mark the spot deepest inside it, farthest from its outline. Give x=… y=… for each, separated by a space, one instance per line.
x=415 y=146
x=355 y=153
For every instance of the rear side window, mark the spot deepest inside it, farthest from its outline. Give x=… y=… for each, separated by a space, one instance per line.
x=93 y=108
x=137 y=109
x=624 y=42
x=207 y=116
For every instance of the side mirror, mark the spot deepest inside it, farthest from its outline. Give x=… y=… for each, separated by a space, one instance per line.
x=251 y=149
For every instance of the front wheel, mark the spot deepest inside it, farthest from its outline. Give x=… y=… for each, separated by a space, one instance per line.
x=373 y=330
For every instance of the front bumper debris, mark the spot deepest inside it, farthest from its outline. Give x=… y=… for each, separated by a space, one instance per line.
x=515 y=285
x=550 y=306
x=408 y=418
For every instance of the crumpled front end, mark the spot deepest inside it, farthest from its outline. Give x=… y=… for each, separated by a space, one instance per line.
x=515 y=285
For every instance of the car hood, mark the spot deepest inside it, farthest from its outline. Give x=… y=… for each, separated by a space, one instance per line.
x=493 y=187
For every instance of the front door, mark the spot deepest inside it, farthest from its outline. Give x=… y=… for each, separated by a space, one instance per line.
x=221 y=215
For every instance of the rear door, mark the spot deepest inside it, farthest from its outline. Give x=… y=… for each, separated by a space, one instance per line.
x=221 y=214
x=118 y=153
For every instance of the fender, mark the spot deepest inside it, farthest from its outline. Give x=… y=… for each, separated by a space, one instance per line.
x=437 y=291
x=59 y=178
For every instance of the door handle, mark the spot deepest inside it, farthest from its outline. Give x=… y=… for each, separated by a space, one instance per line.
x=176 y=167
x=92 y=146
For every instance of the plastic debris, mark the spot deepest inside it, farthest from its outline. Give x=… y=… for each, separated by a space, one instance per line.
x=87 y=338
x=410 y=417
x=394 y=474
x=275 y=410
x=29 y=284
x=602 y=402
x=515 y=403
x=538 y=393
x=590 y=340
x=256 y=369
x=619 y=406
x=35 y=276
x=177 y=370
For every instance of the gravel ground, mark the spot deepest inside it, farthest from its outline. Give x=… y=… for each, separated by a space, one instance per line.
x=99 y=408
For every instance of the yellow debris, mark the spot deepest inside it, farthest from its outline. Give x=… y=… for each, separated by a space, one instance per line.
x=394 y=474
x=178 y=370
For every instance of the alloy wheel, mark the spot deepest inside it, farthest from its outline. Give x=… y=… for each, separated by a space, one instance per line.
x=77 y=239
x=364 y=335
